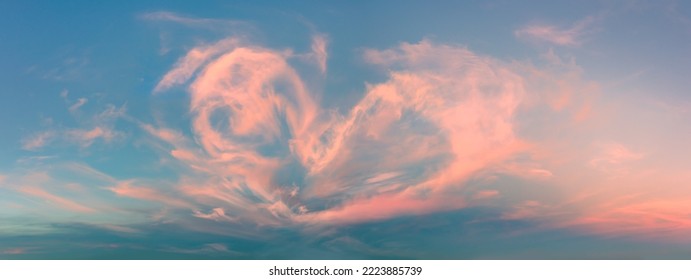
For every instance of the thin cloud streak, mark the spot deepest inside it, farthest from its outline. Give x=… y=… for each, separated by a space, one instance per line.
x=571 y=37
x=38 y=141
x=56 y=200
x=95 y=127
x=80 y=102
x=319 y=45
x=129 y=189
x=209 y=23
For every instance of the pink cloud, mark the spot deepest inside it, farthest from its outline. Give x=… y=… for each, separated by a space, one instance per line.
x=128 y=189
x=381 y=207
x=13 y=251
x=83 y=137
x=382 y=177
x=86 y=137
x=475 y=126
x=118 y=228
x=572 y=36
x=80 y=102
x=443 y=117
x=190 y=63
x=651 y=218
x=56 y=200
x=100 y=127
x=469 y=101
x=216 y=214
x=237 y=89
x=613 y=157
x=319 y=44
x=208 y=23
x=485 y=194
x=525 y=210
x=38 y=141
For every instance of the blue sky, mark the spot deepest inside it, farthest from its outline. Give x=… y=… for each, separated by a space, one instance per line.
x=341 y=130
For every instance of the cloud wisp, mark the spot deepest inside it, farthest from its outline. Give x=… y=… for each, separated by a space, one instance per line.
x=97 y=127
x=572 y=36
x=207 y=23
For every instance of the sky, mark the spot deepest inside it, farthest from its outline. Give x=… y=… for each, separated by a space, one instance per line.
x=345 y=130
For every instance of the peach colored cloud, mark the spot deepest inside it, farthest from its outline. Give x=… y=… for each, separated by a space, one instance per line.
x=613 y=156
x=38 y=141
x=94 y=127
x=206 y=23
x=55 y=199
x=187 y=65
x=13 y=251
x=443 y=117
x=572 y=36
x=319 y=44
x=86 y=137
x=382 y=207
x=129 y=189
x=654 y=219
x=485 y=194
x=80 y=102
x=456 y=114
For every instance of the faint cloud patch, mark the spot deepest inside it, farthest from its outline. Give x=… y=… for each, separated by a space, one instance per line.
x=571 y=36
x=613 y=157
x=197 y=22
x=38 y=140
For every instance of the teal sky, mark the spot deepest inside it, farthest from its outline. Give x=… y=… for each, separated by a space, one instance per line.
x=341 y=130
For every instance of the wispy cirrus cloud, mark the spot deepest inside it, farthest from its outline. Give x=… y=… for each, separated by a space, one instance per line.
x=450 y=110
x=13 y=251
x=86 y=137
x=437 y=135
x=38 y=140
x=613 y=157
x=79 y=103
x=446 y=129
x=571 y=36
x=166 y=16
x=186 y=66
x=319 y=53
x=55 y=199
x=128 y=188
x=99 y=126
